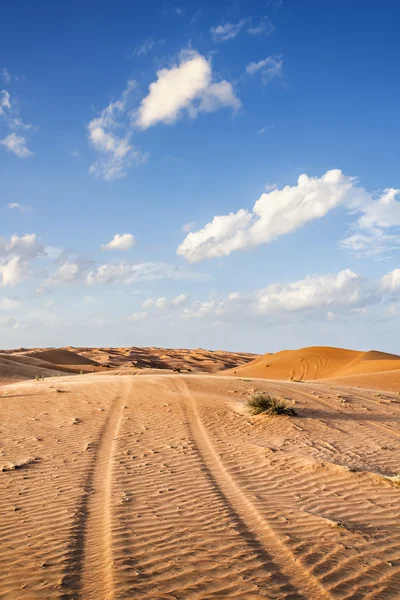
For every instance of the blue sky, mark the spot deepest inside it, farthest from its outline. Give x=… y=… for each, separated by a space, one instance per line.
x=200 y=174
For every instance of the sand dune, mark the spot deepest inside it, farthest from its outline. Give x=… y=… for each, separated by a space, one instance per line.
x=162 y=486
x=323 y=362
x=27 y=364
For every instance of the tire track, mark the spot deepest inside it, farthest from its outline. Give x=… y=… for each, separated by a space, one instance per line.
x=246 y=513
x=89 y=574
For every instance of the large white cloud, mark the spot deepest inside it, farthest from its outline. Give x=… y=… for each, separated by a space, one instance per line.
x=185 y=86
x=275 y=213
x=123 y=241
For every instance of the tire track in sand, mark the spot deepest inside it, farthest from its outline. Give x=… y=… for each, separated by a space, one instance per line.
x=89 y=574
x=246 y=512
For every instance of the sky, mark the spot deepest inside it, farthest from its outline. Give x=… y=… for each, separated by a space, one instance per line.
x=200 y=174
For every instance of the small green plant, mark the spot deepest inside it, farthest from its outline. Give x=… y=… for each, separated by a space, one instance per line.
x=81 y=372
x=37 y=377
x=263 y=403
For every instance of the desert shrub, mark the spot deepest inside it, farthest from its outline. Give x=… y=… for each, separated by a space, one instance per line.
x=264 y=403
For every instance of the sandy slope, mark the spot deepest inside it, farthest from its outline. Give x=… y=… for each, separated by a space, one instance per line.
x=349 y=367
x=161 y=487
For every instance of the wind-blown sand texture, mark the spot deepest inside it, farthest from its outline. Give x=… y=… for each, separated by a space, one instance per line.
x=376 y=370
x=161 y=486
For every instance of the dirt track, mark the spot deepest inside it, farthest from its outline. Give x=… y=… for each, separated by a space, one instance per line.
x=161 y=486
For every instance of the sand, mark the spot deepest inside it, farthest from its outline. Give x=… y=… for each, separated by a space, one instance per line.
x=160 y=485
x=23 y=364
x=375 y=370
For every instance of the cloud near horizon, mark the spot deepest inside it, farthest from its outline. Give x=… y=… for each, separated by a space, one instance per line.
x=341 y=293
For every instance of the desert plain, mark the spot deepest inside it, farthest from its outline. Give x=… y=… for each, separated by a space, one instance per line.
x=140 y=473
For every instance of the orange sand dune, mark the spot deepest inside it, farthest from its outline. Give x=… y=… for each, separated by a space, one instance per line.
x=319 y=362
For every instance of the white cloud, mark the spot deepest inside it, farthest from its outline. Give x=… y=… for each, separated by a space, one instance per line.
x=345 y=288
x=188 y=226
x=138 y=316
x=122 y=241
x=27 y=246
x=377 y=229
x=9 y=113
x=185 y=86
x=164 y=303
x=16 y=254
x=265 y=26
x=228 y=31
x=117 y=153
x=6 y=75
x=146 y=47
x=270 y=68
x=275 y=213
x=9 y=303
x=126 y=272
x=391 y=281
x=12 y=271
x=332 y=295
x=199 y=310
x=5 y=102
x=20 y=207
x=16 y=144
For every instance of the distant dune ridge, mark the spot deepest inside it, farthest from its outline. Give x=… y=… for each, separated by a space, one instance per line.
x=373 y=368
x=377 y=370
x=22 y=364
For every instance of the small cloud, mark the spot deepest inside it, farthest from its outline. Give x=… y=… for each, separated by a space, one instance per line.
x=75 y=153
x=9 y=303
x=188 y=226
x=146 y=47
x=261 y=131
x=17 y=145
x=20 y=207
x=116 y=151
x=187 y=86
x=270 y=68
x=6 y=75
x=164 y=303
x=123 y=242
x=228 y=31
x=53 y=252
x=264 y=27
x=138 y=316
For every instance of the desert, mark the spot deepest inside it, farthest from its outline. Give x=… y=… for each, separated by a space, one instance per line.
x=119 y=481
